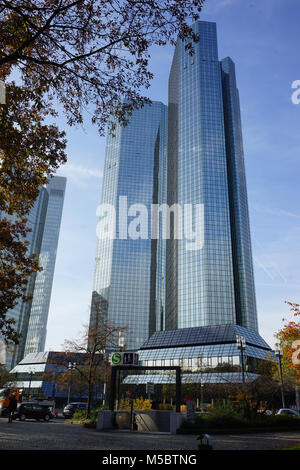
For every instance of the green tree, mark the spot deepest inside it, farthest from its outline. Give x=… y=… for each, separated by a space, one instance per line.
x=90 y=52
x=93 y=342
x=87 y=54
x=289 y=341
x=4 y=375
x=30 y=153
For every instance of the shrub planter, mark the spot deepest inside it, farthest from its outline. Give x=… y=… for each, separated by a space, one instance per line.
x=122 y=419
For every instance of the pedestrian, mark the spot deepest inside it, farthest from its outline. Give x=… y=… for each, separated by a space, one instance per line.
x=12 y=407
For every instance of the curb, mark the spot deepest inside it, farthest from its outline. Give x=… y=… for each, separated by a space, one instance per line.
x=239 y=430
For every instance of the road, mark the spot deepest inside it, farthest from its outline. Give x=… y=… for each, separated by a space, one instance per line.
x=61 y=435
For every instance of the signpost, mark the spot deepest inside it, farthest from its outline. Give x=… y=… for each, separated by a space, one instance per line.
x=190 y=410
x=124 y=359
x=150 y=389
x=241 y=344
x=116 y=359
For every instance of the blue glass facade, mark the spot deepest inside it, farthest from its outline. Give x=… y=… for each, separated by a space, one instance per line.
x=200 y=378
x=239 y=215
x=151 y=285
x=210 y=293
x=37 y=326
x=126 y=283
x=207 y=354
x=31 y=375
x=31 y=317
x=200 y=289
x=21 y=312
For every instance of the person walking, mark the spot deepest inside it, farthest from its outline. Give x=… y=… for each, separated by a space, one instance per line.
x=12 y=406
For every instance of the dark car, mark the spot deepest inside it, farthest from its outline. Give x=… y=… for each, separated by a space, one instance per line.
x=31 y=410
x=70 y=409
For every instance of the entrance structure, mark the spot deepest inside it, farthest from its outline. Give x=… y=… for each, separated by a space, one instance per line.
x=208 y=354
x=116 y=369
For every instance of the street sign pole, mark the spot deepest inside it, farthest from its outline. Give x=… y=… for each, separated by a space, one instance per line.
x=112 y=388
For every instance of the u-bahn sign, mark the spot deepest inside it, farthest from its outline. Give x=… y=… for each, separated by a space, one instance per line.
x=124 y=359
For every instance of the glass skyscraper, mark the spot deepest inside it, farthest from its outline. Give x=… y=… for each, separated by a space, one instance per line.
x=213 y=285
x=31 y=317
x=37 y=327
x=245 y=301
x=190 y=305
x=128 y=280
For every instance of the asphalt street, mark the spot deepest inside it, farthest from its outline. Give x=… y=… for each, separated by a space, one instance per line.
x=61 y=435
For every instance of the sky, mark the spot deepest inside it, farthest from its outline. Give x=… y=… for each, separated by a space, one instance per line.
x=262 y=38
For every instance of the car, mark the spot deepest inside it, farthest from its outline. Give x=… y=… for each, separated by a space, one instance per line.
x=32 y=410
x=70 y=409
x=288 y=411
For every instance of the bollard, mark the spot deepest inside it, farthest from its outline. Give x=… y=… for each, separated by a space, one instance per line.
x=205 y=445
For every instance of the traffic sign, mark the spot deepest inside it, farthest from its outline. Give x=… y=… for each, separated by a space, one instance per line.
x=124 y=359
x=150 y=388
x=130 y=358
x=116 y=359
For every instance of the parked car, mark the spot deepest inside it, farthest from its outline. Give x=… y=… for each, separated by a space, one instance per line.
x=70 y=409
x=288 y=411
x=31 y=410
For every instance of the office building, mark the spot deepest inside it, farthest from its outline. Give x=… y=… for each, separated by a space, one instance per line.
x=39 y=376
x=128 y=285
x=213 y=285
x=208 y=290
x=31 y=317
x=37 y=327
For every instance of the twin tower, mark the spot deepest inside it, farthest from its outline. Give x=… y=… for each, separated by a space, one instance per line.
x=187 y=155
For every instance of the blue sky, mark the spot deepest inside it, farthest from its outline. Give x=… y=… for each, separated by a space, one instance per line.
x=262 y=38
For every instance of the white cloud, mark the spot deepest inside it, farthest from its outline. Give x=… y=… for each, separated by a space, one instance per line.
x=269 y=267
x=78 y=172
x=275 y=211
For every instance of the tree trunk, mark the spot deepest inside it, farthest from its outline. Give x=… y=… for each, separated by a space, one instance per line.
x=90 y=383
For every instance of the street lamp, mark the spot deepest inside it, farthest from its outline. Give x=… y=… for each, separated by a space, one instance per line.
x=30 y=379
x=241 y=344
x=201 y=394
x=278 y=353
x=31 y=373
x=121 y=345
x=71 y=366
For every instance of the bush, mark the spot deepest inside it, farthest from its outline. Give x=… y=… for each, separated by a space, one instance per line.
x=165 y=406
x=278 y=420
x=138 y=404
x=224 y=415
x=80 y=415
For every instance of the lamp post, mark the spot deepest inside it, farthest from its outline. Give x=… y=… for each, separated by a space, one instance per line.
x=31 y=373
x=201 y=394
x=71 y=366
x=278 y=353
x=121 y=345
x=241 y=344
